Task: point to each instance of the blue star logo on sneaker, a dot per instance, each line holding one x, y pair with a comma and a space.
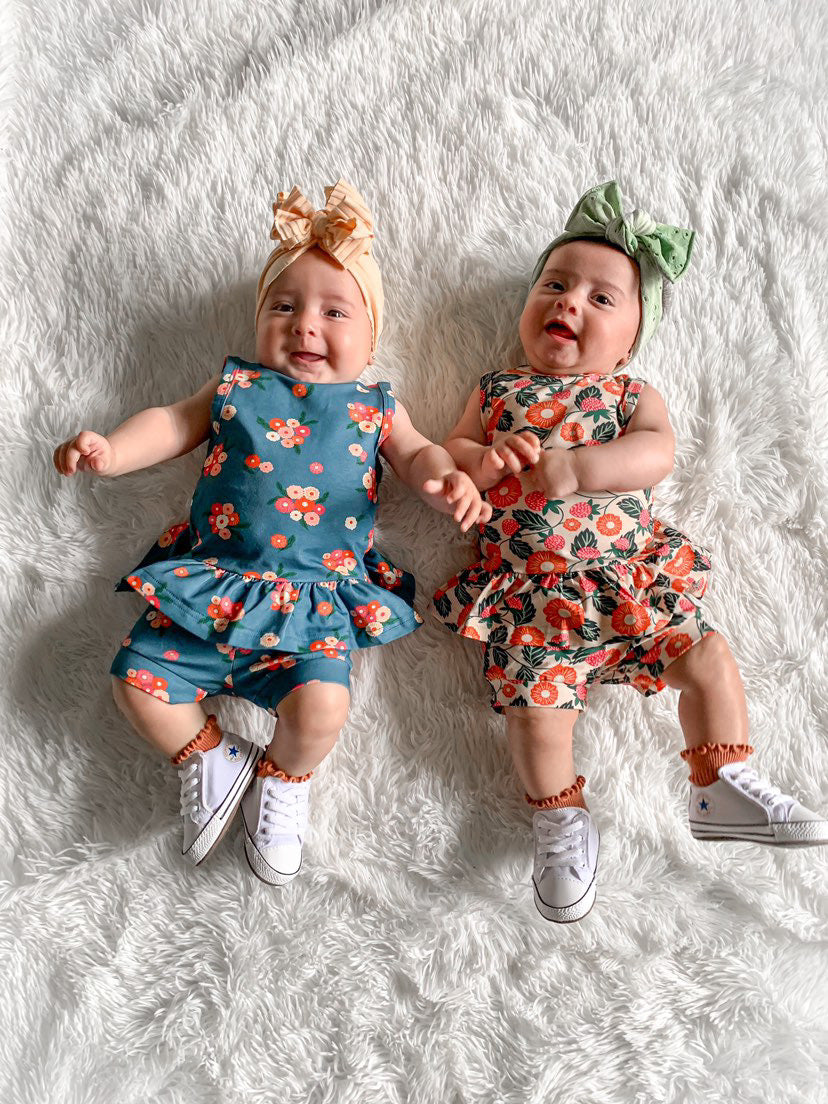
704, 806
232, 752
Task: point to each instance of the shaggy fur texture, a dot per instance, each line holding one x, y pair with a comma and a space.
144, 143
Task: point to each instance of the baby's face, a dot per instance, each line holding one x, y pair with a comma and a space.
583, 313
314, 325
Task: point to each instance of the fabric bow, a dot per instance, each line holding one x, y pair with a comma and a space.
598, 214
342, 227
660, 251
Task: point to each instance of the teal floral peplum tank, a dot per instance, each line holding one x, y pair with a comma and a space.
279, 548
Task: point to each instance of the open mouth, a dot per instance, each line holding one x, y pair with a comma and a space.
307, 358
560, 330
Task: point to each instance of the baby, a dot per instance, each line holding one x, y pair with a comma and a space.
578, 583
275, 580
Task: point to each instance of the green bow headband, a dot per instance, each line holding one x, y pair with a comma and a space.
661, 252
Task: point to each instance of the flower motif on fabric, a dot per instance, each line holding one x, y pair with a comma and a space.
239, 377
389, 577
358, 452
341, 561
222, 611
255, 463
331, 646
171, 535
283, 596
368, 419
290, 433
302, 504
225, 522
373, 618
147, 681
213, 463
147, 591
369, 482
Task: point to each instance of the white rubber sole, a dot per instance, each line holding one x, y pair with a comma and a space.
801, 833
570, 913
263, 870
213, 831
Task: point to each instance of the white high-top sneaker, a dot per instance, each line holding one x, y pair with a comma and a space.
566, 858
275, 815
740, 805
212, 786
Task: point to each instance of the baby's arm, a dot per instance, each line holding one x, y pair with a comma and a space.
431, 473
488, 464
157, 434
641, 457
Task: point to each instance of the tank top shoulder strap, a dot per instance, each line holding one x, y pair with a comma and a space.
628, 401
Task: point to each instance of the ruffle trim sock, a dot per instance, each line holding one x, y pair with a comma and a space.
207, 739
704, 761
268, 769
572, 795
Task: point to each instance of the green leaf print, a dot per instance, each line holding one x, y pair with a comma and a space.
500, 658
520, 549
533, 655
499, 635
631, 506
605, 432
532, 522
443, 605
505, 422
526, 614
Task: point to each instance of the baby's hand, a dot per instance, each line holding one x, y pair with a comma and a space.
554, 474
514, 451
458, 490
88, 451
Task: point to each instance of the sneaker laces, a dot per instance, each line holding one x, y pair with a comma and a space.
190, 800
562, 843
284, 809
747, 779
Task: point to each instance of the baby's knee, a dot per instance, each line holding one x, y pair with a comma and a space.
696, 667
317, 710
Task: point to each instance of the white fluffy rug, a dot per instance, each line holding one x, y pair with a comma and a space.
143, 146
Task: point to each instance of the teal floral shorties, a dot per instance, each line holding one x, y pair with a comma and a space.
586, 589
172, 664
275, 578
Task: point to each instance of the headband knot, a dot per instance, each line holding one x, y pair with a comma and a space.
661, 252
342, 228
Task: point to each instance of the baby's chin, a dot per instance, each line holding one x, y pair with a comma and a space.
317, 371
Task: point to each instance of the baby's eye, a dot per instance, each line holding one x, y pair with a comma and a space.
554, 284
336, 313
281, 307
604, 300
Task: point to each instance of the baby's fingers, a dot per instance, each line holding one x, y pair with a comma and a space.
527, 444
511, 459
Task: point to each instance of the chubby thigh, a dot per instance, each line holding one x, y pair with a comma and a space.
175, 666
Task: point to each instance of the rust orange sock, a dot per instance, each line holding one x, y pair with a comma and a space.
268, 769
205, 740
704, 761
572, 795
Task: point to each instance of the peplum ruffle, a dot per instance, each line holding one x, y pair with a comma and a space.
600, 605
290, 615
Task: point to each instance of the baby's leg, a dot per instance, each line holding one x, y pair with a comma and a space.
167, 727
712, 707
540, 740
310, 720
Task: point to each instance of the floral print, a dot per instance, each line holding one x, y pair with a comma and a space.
583, 589
270, 529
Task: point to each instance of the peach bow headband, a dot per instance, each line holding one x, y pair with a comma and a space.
343, 228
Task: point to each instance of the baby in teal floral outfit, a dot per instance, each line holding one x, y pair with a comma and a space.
273, 582
578, 583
